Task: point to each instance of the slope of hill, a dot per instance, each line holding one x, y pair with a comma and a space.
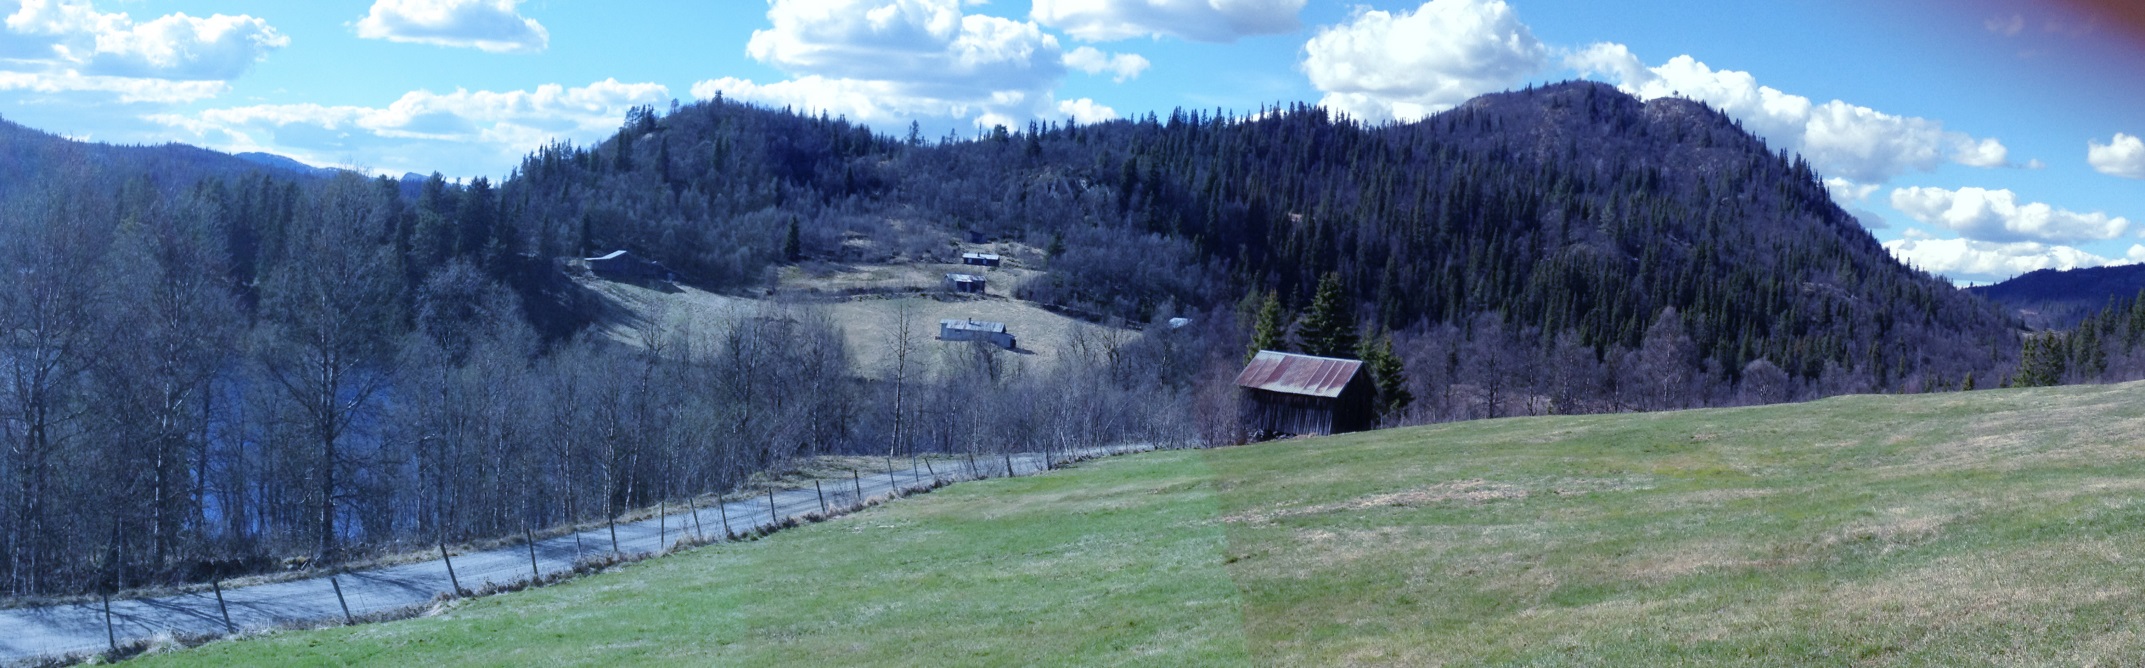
1984, 528
2051, 299
28, 157
1568, 209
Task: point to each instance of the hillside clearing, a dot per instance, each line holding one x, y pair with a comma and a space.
1987, 528
866, 320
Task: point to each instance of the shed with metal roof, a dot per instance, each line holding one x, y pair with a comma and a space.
1306, 395
969, 329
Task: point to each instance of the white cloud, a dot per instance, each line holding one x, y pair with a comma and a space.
880, 61
1380, 66
2122, 156
1847, 191
127, 90
1989, 262
67, 46
1840, 139
1121, 66
1086, 110
1196, 20
423, 129
1997, 215
2009, 26
489, 25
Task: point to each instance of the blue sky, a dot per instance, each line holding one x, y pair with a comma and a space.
1978, 138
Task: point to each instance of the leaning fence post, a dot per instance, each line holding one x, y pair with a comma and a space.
724, 506
451, 579
1008, 463
822, 496
536, 576
220, 607
693, 510
771, 519
614, 535
893, 486
347, 619
971, 464
110, 635
858, 478
934, 472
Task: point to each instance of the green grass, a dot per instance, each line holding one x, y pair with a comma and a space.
1989, 528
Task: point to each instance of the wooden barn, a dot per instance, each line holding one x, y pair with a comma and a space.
621, 265
1305, 395
976, 330
969, 283
981, 259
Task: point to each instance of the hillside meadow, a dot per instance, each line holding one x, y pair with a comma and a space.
1961, 529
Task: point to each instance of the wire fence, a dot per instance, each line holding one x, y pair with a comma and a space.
119, 626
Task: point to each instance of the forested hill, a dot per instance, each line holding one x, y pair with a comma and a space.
31, 158
1569, 209
2052, 299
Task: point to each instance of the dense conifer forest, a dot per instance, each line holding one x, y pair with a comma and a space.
211, 367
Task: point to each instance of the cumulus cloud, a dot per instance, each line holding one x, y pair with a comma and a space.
489, 25
1380, 66
1997, 215
878, 61
1989, 262
67, 46
429, 130
2122, 156
1121, 66
1196, 20
1085, 110
1840, 139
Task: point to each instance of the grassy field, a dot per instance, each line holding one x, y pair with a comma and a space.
867, 322
1988, 528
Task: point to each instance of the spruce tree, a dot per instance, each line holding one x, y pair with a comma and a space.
792, 246
1389, 374
1328, 329
1268, 331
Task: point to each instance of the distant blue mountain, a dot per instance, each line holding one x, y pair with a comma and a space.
2051, 299
29, 157
272, 160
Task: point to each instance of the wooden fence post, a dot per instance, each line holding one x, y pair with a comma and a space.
971, 465
893, 486
662, 515
451, 579
724, 506
699, 534
220, 607
347, 619
822, 497
771, 519
934, 472
858, 478
536, 576
111, 635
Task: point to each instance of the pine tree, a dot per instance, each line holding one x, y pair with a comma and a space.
792, 246
1389, 374
1328, 329
1268, 332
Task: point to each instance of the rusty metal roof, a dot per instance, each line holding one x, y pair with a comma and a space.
1298, 374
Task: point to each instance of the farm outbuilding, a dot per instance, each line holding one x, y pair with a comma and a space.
981, 259
977, 330
1305, 395
624, 265
969, 283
